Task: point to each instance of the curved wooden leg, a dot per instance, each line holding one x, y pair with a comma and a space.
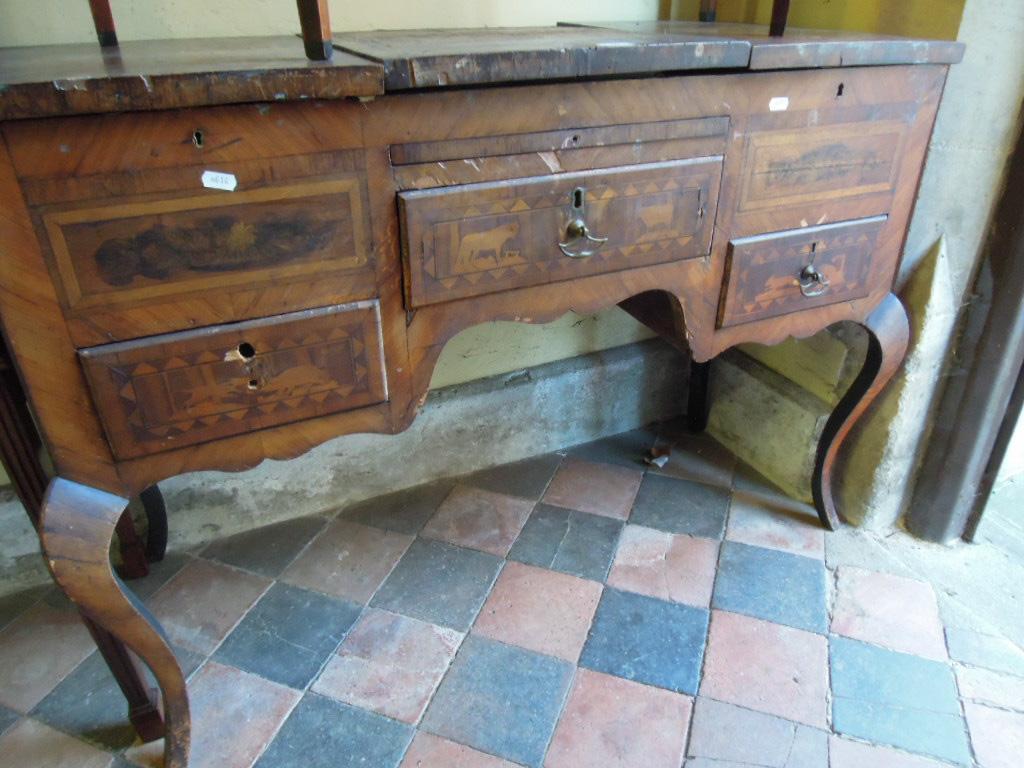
888, 335
76, 528
156, 523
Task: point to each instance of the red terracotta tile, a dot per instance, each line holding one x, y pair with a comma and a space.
616, 723
479, 519
854, 754
997, 735
664, 565
390, 664
235, 715
892, 611
540, 610
203, 602
348, 560
998, 689
38, 650
766, 667
601, 489
775, 522
429, 751
31, 743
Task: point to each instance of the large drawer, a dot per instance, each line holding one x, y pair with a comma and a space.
184, 388
474, 239
781, 272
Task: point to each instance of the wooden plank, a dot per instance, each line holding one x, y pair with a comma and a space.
808, 48
44, 81
431, 58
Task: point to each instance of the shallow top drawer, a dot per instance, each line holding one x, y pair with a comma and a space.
474, 239
184, 388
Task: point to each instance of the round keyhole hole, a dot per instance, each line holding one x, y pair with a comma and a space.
198, 139
254, 384
246, 351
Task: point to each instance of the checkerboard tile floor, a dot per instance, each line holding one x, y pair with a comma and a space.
565, 611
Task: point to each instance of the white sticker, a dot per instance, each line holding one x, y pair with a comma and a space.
778, 104
218, 180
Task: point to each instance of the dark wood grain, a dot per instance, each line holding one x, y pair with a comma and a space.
163, 74
315, 20
430, 58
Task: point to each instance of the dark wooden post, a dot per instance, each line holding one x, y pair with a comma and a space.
316, 29
104, 21
708, 10
780, 13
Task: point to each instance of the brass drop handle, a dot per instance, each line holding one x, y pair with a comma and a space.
578, 232
812, 282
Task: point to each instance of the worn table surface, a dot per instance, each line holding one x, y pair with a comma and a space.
45, 81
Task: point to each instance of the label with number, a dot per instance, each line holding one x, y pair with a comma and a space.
218, 180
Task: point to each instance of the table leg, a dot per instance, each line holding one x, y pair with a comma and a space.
156, 523
888, 335
76, 528
698, 404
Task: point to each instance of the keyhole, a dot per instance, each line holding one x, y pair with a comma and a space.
577, 198
254, 383
246, 351
198, 139
839, 90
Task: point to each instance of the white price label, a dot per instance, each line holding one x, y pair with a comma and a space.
778, 104
218, 180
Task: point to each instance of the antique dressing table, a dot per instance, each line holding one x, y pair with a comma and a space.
218, 252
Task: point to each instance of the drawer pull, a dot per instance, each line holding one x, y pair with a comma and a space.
579, 232
812, 282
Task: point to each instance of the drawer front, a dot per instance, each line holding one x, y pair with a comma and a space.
475, 239
184, 388
774, 274
144, 250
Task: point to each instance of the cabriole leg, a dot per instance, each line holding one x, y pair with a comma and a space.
888, 335
77, 525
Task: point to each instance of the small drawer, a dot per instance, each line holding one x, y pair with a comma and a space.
474, 239
179, 389
782, 272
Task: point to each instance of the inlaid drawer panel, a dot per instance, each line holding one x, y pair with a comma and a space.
475, 239
184, 388
782, 272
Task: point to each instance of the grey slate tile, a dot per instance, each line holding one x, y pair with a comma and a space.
159, 574
404, 511
647, 640
8, 717
681, 506
527, 478
572, 542
89, 704
323, 733
267, 550
500, 699
288, 635
627, 449
14, 604
896, 699
439, 583
772, 585
988, 651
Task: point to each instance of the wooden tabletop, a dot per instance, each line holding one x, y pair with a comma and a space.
54, 80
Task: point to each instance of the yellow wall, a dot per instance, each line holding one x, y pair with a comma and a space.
913, 18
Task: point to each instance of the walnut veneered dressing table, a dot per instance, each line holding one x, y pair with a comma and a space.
215, 253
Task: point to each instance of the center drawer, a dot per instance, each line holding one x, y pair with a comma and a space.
179, 389
473, 239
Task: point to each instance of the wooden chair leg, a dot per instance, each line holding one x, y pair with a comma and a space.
699, 405
888, 336
76, 527
316, 29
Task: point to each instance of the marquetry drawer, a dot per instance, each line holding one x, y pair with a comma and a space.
774, 274
179, 389
474, 239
